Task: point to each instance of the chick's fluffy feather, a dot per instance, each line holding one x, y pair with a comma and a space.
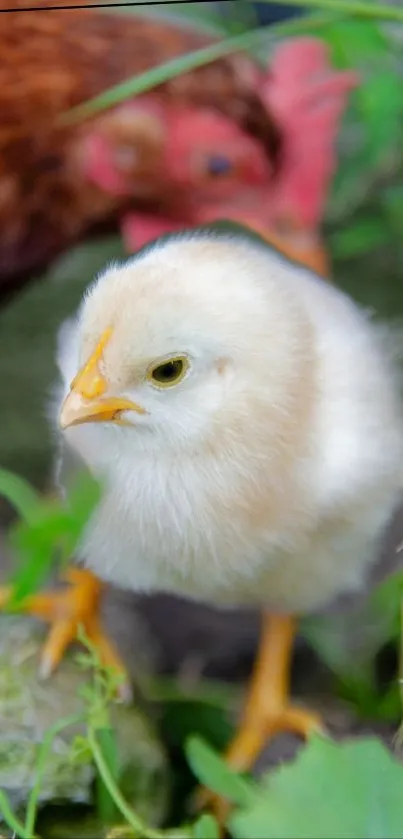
268, 474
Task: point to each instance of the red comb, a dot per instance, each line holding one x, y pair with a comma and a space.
307, 98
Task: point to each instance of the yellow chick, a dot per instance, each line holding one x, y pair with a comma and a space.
246, 419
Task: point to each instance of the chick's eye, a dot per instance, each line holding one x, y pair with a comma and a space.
169, 373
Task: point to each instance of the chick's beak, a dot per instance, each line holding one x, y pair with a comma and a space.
87, 401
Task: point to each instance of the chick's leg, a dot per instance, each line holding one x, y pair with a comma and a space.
73, 606
268, 710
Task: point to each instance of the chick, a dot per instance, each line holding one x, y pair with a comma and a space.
246, 420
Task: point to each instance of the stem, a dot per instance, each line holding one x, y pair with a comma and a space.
400, 654
348, 7
106, 806
11, 819
50, 735
131, 817
158, 75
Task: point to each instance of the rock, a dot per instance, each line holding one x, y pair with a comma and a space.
29, 706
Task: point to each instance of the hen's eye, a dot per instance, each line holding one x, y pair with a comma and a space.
169, 373
219, 165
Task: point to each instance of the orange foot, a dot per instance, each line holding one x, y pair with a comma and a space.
74, 606
268, 710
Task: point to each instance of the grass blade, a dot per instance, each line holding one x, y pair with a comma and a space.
46, 746
198, 58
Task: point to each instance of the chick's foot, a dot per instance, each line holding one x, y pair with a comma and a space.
267, 711
71, 608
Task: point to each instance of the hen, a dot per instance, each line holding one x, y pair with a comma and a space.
57, 181
216, 170
54, 60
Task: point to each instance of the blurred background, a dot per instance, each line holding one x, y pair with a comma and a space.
295, 129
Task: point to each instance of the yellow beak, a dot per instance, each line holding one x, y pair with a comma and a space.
84, 403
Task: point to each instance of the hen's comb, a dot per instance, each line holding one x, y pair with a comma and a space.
306, 97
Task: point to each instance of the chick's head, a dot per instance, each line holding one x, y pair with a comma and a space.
181, 343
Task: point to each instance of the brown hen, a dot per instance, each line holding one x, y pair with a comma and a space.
51, 61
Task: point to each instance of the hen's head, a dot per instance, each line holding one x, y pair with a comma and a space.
146, 148
210, 155
202, 166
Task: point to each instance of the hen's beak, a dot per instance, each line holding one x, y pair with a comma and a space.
86, 401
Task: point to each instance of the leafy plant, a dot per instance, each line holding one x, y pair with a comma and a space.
98, 744
347, 789
48, 528
348, 643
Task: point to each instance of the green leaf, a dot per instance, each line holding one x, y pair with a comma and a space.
49, 526
35, 546
348, 643
31, 578
355, 41
340, 790
350, 187
212, 771
389, 706
20, 494
376, 105
80, 752
206, 828
381, 105
392, 203
84, 660
367, 233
